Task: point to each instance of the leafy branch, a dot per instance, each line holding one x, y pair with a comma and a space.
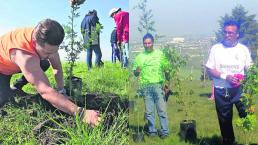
250, 91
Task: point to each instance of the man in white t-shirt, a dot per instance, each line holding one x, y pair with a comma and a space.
227, 63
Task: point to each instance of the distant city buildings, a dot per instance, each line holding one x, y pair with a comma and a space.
192, 47
177, 40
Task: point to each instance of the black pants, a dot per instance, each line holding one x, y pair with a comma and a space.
224, 108
5, 91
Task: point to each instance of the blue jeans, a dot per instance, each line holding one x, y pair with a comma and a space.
154, 97
125, 55
115, 52
97, 51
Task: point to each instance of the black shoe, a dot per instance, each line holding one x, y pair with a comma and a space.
163, 136
151, 134
18, 92
229, 142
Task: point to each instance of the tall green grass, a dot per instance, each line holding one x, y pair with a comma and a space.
115, 134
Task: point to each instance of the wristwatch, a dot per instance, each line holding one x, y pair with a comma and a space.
61, 91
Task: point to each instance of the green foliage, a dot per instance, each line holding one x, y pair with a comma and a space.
176, 63
248, 123
250, 91
175, 59
248, 27
94, 34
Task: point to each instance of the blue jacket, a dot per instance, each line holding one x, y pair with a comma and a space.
87, 26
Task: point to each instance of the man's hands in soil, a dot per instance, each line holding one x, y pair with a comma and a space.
91, 117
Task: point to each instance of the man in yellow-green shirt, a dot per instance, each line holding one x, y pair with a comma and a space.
150, 66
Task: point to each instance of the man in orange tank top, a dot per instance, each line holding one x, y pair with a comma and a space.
22, 50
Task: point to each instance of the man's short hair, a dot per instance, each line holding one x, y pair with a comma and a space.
231, 23
148, 35
49, 31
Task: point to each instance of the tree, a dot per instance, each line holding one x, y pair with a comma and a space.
146, 23
248, 27
72, 46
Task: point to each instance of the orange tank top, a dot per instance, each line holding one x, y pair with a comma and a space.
18, 39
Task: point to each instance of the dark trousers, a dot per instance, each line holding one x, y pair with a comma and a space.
97, 51
5, 90
224, 107
115, 53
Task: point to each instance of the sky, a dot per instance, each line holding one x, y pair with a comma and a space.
188, 17
172, 17
27, 13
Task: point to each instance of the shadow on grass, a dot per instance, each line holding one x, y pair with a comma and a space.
135, 128
214, 140
205, 95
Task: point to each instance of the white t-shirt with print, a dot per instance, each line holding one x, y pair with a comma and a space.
228, 60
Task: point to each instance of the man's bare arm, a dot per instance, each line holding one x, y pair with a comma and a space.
29, 65
213, 72
57, 70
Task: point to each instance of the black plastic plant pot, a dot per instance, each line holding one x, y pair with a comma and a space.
138, 137
188, 130
76, 86
131, 104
